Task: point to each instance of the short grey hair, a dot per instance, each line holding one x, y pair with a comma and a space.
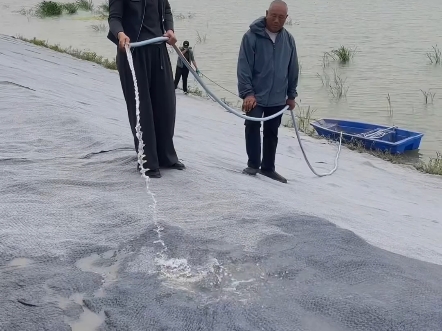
278, 2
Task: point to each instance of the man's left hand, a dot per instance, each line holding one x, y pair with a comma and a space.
171, 35
291, 103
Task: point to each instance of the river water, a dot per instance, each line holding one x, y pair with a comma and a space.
391, 41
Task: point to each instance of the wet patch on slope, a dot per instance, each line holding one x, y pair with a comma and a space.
315, 275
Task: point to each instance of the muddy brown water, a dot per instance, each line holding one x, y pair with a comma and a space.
391, 41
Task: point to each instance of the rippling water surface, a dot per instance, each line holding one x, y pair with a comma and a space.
391, 41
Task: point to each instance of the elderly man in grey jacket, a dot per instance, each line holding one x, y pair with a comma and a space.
267, 80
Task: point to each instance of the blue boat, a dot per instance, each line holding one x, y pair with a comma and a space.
371, 136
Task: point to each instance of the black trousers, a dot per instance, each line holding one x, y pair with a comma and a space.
157, 102
184, 72
270, 139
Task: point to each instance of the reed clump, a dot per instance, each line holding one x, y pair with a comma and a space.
435, 56
53, 8
343, 54
86, 5
49, 9
433, 166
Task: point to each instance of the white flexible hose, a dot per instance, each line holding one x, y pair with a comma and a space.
137, 110
222, 104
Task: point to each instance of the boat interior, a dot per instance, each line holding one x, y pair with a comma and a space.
367, 131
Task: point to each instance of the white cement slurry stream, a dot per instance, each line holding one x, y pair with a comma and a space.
359, 250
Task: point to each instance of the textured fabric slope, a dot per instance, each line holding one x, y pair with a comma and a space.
82, 248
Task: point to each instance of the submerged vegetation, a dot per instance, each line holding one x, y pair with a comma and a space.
103, 10
428, 96
104, 7
435, 56
303, 119
181, 16
390, 107
304, 116
342, 55
49, 9
99, 27
46, 9
201, 38
337, 87
71, 8
433, 166
86, 5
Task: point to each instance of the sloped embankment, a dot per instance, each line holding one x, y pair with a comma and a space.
81, 245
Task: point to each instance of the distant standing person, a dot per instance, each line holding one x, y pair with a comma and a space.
138, 21
181, 69
267, 74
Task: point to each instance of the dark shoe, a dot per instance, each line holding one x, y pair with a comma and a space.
250, 171
273, 175
153, 173
177, 166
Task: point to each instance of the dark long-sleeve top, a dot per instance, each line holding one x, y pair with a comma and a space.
127, 16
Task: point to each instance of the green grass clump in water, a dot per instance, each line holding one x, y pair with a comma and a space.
71, 8
52, 8
49, 9
83, 55
303, 120
433, 166
343, 54
104, 7
103, 10
86, 5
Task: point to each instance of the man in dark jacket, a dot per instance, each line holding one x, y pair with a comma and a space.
138, 20
267, 80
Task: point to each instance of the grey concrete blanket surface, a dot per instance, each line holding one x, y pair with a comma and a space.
83, 246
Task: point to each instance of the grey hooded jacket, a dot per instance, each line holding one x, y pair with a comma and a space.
266, 70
